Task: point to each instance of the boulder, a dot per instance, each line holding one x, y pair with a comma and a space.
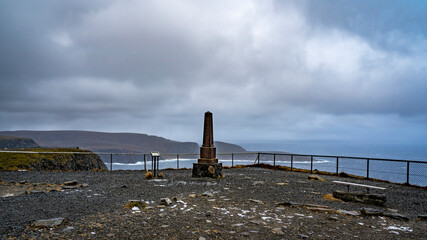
49, 222
374, 199
165, 201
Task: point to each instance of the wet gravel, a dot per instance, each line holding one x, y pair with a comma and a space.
97, 211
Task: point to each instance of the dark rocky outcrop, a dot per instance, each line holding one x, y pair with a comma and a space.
51, 159
8, 142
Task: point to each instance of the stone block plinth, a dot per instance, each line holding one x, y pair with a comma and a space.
212, 170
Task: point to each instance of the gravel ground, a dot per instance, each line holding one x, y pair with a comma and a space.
98, 212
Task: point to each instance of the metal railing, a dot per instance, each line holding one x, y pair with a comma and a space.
394, 170
412, 172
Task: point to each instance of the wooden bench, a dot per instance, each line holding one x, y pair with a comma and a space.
359, 185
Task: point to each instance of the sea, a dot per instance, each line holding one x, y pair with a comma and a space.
394, 171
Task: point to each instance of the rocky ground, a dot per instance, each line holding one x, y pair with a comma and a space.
244, 204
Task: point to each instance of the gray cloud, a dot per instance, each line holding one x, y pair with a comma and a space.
284, 69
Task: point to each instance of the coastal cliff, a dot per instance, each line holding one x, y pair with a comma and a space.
8, 142
42, 159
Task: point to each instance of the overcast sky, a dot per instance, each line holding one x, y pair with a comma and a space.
268, 70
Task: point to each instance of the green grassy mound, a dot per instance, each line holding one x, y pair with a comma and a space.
50, 159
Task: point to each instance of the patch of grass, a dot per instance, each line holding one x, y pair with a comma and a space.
329, 197
149, 175
11, 161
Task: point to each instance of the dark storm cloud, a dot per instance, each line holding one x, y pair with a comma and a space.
263, 67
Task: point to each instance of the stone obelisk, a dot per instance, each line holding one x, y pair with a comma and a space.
207, 165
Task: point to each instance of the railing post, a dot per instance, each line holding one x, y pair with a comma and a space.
158, 166
232, 160
311, 165
292, 162
258, 158
337, 165
274, 159
111, 162
153, 161
177, 161
407, 172
145, 163
367, 168
152, 165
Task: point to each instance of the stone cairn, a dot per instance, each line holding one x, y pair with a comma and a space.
207, 165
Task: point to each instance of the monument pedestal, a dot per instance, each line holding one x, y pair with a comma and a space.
212, 170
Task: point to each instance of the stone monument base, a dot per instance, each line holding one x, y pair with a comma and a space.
212, 170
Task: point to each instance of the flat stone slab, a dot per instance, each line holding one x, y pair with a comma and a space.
345, 212
321, 210
49, 222
396, 216
256, 201
372, 212
374, 199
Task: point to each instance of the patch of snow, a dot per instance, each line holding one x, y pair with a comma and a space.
245, 211
400, 228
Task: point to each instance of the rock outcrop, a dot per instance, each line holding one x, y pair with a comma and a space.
7, 142
50, 159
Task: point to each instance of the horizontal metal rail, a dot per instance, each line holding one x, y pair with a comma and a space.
293, 160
